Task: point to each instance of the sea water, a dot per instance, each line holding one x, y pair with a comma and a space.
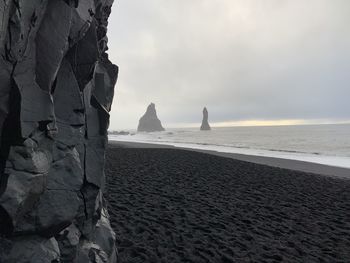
324, 144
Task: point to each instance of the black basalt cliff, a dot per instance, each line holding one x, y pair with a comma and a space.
149, 122
205, 124
56, 90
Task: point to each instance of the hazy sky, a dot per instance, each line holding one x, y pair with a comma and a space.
248, 61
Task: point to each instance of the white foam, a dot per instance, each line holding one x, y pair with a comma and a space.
337, 161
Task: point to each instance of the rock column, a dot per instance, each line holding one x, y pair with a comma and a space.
56, 90
149, 122
205, 124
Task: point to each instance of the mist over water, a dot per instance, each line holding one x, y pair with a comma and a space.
325, 144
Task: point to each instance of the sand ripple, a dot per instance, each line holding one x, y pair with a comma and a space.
171, 205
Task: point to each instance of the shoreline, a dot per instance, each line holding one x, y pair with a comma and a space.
303, 166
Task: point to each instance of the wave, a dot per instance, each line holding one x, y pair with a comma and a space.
305, 147
293, 151
237, 147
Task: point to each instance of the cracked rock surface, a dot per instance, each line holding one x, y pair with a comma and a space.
56, 90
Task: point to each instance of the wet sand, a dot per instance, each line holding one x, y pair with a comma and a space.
308, 167
172, 205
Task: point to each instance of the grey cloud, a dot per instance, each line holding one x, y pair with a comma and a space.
244, 59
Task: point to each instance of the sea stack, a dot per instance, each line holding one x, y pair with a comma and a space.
149, 122
205, 124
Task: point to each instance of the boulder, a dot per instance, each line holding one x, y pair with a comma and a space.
29, 249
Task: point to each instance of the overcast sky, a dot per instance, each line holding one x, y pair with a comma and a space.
248, 61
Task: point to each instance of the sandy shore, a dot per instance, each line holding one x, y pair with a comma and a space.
307, 167
172, 205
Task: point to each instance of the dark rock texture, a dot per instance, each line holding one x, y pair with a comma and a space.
56, 90
205, 124
149, 122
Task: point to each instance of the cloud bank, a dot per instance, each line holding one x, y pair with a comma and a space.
243, 59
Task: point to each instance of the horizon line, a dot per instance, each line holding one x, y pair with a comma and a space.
251, 123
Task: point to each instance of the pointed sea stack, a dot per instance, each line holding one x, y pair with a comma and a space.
149, 122
205, 124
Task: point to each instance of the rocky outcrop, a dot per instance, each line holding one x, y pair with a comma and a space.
205, 124
149, 122
57, 86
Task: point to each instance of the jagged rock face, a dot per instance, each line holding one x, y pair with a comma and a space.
57, 86
205, 124
149, 122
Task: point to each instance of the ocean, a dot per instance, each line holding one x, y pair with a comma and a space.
324, 144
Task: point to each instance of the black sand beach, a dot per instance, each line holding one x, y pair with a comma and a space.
171, 205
